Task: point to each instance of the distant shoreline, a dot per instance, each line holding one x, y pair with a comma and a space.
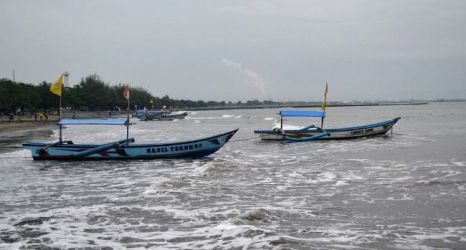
53, 117
13, 133
291, 105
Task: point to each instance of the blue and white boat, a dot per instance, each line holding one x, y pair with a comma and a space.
123, 149
312, 132
141, 113
164, 116
159, 115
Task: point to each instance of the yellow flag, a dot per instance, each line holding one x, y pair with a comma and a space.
56, 86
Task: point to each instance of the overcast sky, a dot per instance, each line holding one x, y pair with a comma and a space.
241, 50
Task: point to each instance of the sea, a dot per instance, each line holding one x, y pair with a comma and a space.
404, 190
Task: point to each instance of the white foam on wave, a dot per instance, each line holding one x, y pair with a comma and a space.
351, 176
202, 118
66, 226
16, 154
332, 236
459, 163
227, 116
341, 183
269, 119
326, 177
322, 177
221, 236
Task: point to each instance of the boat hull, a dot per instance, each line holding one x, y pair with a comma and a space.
368, 130
183, 149
164, 117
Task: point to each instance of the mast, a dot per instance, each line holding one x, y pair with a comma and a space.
324, 105
60, 140
60, 112
127, 121
126, 96
281, 121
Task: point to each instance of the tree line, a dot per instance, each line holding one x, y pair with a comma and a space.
92, 94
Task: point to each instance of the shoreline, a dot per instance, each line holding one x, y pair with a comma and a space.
16, 125
13, 133
307, 105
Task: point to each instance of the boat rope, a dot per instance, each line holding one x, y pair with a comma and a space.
245, 139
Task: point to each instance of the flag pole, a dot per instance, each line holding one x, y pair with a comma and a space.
60, 140
60, 111
57, 89
127, 119
324, 104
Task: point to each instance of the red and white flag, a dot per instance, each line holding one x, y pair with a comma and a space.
126, 92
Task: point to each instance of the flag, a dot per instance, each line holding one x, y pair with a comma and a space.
324, 103
56, 87
126, 92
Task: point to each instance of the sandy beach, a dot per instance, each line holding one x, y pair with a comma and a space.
13, 133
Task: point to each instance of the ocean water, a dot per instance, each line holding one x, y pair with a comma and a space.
405, 190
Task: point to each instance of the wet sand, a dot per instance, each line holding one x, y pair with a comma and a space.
13, 133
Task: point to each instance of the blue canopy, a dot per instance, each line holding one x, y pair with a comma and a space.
103, 121
306, 113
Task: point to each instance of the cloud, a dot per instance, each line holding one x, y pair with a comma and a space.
255, 79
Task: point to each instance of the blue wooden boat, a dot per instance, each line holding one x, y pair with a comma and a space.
123, 149
164, 116
312, 132
159, 115
141, 113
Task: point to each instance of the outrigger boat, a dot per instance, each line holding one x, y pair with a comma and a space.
140, 113
123, 149
312, 132
163, 116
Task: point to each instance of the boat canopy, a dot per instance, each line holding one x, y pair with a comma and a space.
103, 121
305, 113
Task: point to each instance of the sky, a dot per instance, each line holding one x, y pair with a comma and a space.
245, 49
